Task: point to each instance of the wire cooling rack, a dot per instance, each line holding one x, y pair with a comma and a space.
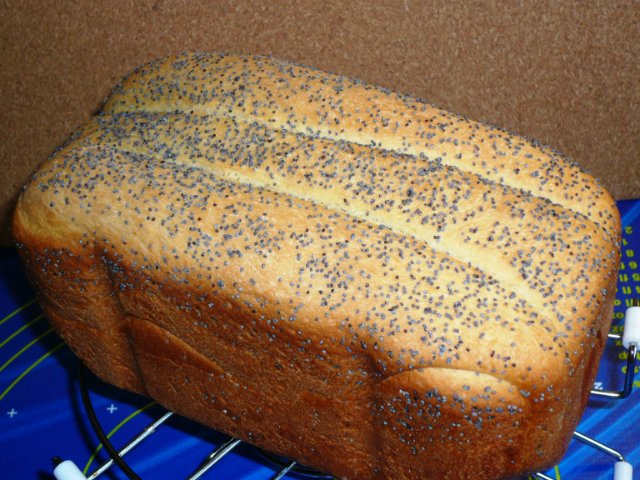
42, 413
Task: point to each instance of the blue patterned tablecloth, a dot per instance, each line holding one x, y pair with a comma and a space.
41, 413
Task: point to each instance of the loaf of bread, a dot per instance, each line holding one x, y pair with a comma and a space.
331, 271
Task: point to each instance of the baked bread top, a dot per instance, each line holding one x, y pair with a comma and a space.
353, 216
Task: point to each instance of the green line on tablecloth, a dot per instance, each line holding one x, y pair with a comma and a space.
31, 367
18, 310
115, 429
24, 349
24, 327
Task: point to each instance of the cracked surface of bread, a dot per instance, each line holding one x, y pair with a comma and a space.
331, 271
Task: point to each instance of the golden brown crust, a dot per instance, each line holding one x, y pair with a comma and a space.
327, 267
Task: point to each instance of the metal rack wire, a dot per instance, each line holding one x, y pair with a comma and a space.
67, 470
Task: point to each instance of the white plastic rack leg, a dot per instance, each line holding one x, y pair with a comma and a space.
67, 470
630, 341
623, 471
631, 334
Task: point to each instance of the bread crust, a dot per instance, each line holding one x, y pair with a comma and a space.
329, 270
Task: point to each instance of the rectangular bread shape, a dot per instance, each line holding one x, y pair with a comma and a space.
329, 270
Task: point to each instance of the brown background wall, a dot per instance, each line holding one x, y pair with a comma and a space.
565, 73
